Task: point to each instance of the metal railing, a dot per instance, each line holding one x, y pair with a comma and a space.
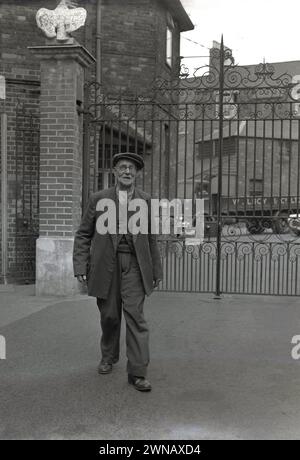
227, 134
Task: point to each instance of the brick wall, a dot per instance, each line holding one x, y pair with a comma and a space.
133, 55
60, 166
22, 99
133, 41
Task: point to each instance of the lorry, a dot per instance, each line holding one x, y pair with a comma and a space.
280, 213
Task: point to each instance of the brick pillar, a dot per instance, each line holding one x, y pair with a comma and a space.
62, 80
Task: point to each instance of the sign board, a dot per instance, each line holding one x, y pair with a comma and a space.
258, 203
2, 87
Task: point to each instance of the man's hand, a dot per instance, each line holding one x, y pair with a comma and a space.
156, 283
81, 278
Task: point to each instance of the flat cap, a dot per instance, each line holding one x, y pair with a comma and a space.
134, 157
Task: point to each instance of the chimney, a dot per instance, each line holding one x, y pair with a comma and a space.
214, 56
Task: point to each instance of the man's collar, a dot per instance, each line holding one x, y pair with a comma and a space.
130, 195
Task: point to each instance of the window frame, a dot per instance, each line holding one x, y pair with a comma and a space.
169, 46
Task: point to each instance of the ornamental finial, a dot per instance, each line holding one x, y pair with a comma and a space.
61, 22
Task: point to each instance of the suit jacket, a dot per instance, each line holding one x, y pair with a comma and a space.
95, 255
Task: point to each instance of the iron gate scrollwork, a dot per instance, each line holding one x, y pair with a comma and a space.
228, 135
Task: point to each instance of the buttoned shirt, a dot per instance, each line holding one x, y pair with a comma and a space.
124, 240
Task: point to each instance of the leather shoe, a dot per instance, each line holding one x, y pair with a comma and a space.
104, 368
139, 383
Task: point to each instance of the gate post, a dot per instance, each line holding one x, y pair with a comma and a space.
62, 81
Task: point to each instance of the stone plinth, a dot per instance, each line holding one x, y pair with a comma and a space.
53, 267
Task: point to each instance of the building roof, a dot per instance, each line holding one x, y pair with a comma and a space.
178, 12
268, 129
285, 67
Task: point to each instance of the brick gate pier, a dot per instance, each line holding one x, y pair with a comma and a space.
62, 80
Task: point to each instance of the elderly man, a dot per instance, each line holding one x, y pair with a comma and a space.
119, 268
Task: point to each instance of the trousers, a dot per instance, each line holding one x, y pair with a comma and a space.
127, 293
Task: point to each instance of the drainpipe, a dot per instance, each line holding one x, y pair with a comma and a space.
98, 42
4, 185
99, 81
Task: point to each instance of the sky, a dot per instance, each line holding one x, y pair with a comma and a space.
255, 30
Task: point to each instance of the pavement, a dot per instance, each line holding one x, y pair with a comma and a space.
220, 369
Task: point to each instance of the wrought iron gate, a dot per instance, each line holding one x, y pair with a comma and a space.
25, 197
229, 135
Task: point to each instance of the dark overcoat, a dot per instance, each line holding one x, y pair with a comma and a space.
95, 254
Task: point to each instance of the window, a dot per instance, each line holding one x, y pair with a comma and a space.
229, 104
207, 149
169, 47
255, 187
202, 188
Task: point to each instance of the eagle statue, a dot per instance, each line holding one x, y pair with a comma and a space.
61, 22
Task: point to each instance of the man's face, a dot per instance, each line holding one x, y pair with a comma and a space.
125, 173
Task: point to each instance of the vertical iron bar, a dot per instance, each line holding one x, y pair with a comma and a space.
103, 154
23, 159
111, 153
281, 148
136, 127
152, 156
290, 155
246, 170
119, 127
237, 151
212, 209
127, 137
85, 163
31, 176
167, 132
160, 171
296, 275
254, 163
263, 167
144, 152
272, 160
177, 157
228, 166
185, 147
220, 153
193, 162
96, 159
298, 168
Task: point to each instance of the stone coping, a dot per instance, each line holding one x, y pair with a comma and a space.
75, 51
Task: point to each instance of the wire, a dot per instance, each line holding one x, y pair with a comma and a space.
196, 43
193, 57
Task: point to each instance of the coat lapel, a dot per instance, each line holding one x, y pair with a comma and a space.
111, 193
136, 195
